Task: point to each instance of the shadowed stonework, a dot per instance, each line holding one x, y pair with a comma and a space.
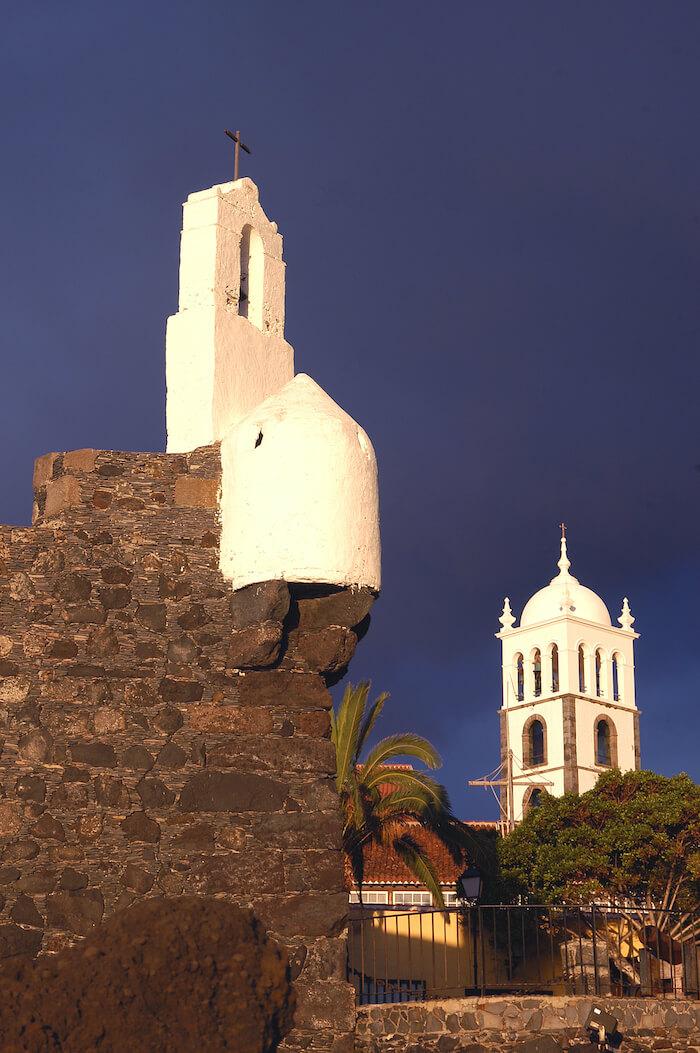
163, 735
160, 975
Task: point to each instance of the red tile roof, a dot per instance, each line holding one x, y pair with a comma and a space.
383, 866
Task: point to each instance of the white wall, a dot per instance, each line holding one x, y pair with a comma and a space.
219, 365
299, 497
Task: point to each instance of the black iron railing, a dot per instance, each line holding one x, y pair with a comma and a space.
408, 956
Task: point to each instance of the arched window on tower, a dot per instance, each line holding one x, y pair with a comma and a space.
250, 296
617, 694
537, 671
598, 673
520, 677
537, 742
581, 669
555, 668
534, 743
605, 743
602, 743
532, 799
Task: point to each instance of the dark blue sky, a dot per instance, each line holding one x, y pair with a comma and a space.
492, 232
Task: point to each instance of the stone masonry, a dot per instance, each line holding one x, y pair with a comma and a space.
523, 1025
162, 734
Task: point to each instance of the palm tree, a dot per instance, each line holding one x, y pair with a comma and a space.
381, 802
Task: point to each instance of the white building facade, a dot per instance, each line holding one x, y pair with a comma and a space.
569, 710
299, 497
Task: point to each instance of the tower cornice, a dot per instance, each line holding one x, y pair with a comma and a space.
504, 633
541, 699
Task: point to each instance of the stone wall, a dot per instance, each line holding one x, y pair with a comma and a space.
160, 733
523, 1025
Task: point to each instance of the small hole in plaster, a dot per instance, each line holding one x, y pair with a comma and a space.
362, 440
258, 440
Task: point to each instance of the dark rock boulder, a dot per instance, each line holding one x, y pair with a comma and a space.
182, 974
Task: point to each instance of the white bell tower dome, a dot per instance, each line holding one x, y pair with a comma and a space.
568, 709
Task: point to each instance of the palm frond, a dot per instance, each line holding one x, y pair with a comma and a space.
410, 781
382, 803
359, 818
371, 719
404, 745
402, 807
402, 797
346, 729
420, 865
457, 838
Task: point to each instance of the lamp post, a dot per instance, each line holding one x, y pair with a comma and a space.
470, 885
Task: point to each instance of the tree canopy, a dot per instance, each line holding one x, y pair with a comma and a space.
634, 837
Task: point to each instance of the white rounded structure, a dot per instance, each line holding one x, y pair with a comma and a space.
564, 595
299, 496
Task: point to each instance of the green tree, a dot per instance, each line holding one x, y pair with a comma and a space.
380, 803
633, 838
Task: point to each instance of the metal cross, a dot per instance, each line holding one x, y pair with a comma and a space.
240, 145
563, 531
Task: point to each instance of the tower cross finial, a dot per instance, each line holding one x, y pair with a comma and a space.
564, 561
239, 145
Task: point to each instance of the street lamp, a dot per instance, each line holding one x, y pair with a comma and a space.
470, 885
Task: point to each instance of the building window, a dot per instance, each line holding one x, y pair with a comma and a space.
605, 743
370, 898
537, 742
250, 295
555, 668
581, 669
534, 743
537, 672
385, 991
617, 694
598, 673
520, 677
404, 898
450, 899
532, 799
602, 743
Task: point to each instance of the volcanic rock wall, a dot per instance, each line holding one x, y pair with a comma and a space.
528, 1024
161, 734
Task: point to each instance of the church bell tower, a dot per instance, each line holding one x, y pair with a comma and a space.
225, 347
569, 709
